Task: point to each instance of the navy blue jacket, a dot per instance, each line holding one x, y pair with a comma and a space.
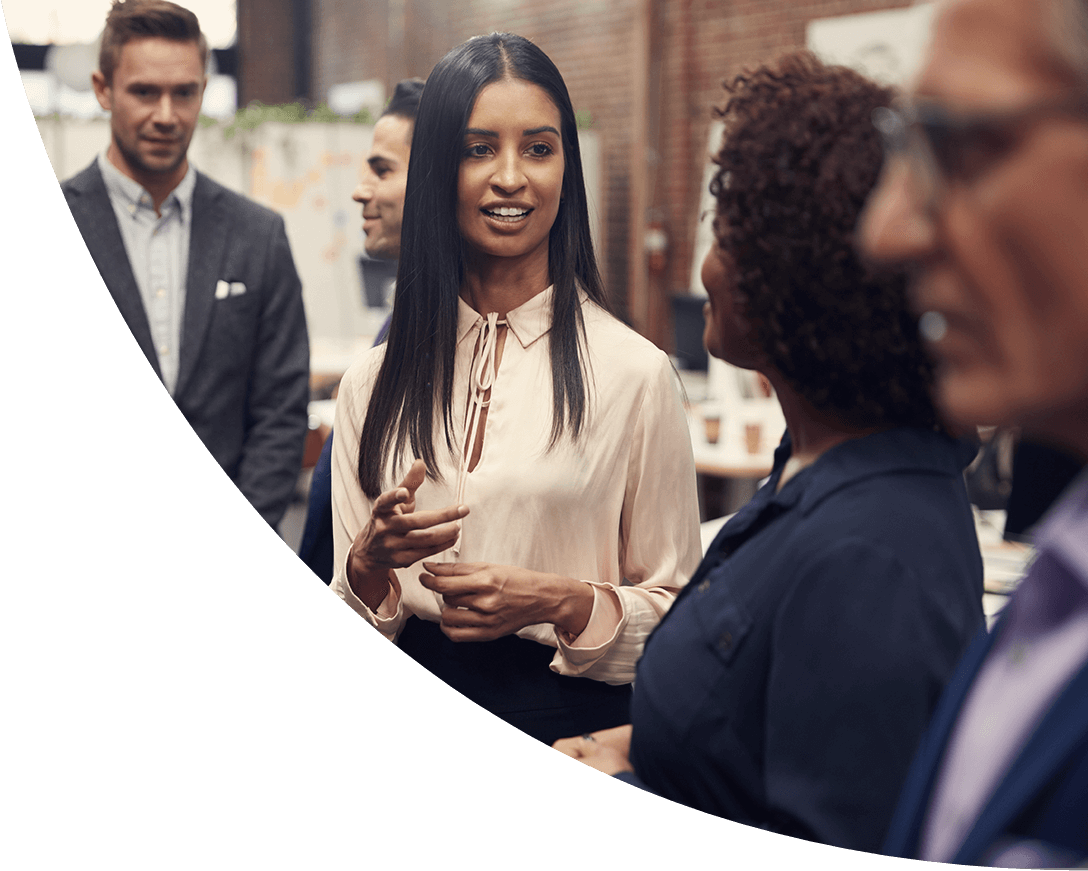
789, 683
1044, 796
1042, 799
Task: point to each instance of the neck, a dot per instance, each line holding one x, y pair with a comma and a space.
499, 284
812, 432
158, 184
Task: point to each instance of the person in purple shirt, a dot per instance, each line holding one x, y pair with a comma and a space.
985, 197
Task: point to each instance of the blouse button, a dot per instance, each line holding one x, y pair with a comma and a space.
725, 641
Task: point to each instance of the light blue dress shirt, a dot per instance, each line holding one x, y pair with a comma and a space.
157, 244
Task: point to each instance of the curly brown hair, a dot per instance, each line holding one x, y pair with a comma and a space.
798, 157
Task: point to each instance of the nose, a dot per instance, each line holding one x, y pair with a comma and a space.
895, 227
164, 115
509, 176
364, 191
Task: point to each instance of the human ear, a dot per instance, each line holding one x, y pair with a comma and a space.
102, 89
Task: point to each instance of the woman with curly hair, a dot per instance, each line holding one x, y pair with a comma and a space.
789, 684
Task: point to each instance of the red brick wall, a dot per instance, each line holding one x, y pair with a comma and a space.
266, 65
693, 46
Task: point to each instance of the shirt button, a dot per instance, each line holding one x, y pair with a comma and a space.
132, 208
164, 349
160, 293
725, 642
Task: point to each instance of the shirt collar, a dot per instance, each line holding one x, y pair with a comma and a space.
904, 449
528, 322
130, 192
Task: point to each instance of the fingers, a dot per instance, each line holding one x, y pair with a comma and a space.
388, 501
572, 747
402, 549
404, 493
422, 520
456, 581
417, 474
401, 501
451, 570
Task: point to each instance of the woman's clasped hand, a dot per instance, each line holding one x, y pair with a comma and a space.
485, 601
605, 750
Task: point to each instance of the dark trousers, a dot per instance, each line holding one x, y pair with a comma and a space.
510, 677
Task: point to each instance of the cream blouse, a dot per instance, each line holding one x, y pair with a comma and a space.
617, 508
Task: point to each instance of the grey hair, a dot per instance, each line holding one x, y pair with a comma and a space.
1069, 34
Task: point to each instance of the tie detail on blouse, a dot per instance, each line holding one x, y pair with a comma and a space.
480, 381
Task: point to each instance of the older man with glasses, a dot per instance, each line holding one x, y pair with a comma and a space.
985, 195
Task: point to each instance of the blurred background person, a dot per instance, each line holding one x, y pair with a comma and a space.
789, 684
381, 193
985, 198
524, 402
203, 277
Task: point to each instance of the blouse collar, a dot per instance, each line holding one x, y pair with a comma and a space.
528, 322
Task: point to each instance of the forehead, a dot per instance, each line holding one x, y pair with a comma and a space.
992, 54
516, 101
154, 58
392, 138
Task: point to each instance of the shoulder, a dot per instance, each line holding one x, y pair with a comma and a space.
87, 181
620, 348
240, 207
898, 495
358, 380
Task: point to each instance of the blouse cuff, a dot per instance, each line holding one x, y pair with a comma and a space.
605, 622
387, 618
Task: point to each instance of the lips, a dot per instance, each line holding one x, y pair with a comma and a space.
507, 214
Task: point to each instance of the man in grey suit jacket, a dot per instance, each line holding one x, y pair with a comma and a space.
203, 277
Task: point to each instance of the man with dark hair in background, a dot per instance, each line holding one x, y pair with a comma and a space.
381, 193
203, 276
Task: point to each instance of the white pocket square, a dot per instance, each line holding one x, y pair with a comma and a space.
223, 289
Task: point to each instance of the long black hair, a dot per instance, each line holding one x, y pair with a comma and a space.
415, 380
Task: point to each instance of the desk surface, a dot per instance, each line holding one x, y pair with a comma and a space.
729, 458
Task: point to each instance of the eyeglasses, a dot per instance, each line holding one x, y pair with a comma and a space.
948, 147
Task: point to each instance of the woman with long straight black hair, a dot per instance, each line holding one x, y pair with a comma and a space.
514, 492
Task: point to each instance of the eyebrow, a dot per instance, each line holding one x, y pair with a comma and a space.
532, 131
133, 85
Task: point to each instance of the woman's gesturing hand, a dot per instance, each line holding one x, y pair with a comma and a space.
486, 601
397, 535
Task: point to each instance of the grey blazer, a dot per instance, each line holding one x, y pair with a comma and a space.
243, 370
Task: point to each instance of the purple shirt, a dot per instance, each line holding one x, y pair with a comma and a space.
1043, 642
